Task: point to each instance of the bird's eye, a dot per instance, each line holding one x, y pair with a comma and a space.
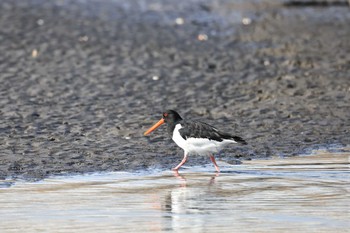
165, 114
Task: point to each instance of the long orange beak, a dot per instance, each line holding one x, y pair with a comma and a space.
156, 125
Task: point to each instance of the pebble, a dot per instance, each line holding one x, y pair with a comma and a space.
246, 21
35, 53
179, 21
40, 22
202, 37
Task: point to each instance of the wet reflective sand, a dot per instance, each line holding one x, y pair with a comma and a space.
299, 194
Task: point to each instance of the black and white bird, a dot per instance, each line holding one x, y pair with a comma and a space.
195, 137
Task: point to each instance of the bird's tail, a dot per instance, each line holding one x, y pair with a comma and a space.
239, 140
235, 138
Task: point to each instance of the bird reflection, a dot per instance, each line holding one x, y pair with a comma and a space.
180, 177
183, 179
188, 198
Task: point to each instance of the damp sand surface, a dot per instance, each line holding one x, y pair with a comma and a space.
304, 193
77, 94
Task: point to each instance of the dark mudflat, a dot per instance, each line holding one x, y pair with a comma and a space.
81, 81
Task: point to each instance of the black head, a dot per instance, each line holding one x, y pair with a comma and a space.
171, 116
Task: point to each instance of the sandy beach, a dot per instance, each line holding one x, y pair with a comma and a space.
81, 81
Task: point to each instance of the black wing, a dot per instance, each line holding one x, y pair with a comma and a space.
196, 129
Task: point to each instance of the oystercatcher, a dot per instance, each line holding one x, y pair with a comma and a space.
195, 137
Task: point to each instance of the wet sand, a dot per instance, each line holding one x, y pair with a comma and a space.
80, 81
290, 195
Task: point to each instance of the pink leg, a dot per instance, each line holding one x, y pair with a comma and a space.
181, 163
214, 162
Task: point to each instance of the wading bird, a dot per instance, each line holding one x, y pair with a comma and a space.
195, 137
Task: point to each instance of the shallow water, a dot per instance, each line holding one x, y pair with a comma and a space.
305, 193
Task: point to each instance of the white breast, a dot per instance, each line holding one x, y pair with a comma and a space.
178, 139
200, 146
